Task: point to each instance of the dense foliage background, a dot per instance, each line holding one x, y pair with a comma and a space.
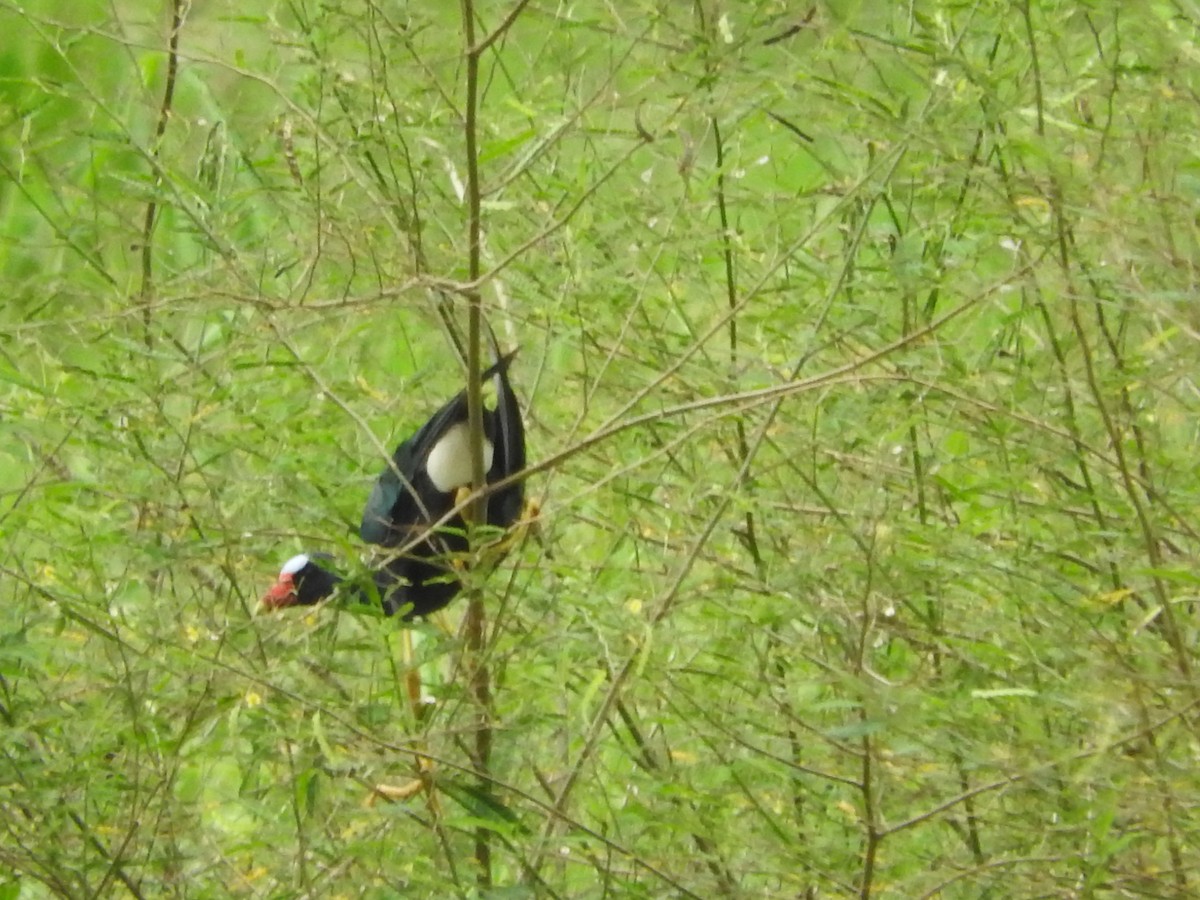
860, 345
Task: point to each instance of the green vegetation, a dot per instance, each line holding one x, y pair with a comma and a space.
860, 346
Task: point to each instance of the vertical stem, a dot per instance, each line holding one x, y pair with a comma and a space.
146, 294
476, 668
871, 850
749, 536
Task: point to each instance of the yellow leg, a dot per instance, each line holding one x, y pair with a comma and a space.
412, 677
528, 524
424, 781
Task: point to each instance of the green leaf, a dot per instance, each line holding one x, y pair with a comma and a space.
483, 807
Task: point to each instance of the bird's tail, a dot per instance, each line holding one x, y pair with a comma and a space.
502, 360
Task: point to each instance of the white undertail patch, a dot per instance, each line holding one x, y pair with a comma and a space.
449, 462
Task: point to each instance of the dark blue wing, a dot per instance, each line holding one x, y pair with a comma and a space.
390, 497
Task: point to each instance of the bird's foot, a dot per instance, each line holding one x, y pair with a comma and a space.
395, 793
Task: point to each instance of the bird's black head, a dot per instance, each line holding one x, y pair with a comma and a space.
302, 581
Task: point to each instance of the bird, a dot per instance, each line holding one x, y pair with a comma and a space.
428, 476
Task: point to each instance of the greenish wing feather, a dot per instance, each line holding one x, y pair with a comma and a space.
379, 515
